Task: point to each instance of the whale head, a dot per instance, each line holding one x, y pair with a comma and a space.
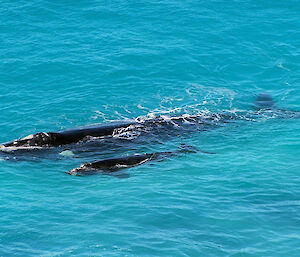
83, 170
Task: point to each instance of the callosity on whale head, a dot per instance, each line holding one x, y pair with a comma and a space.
37, 140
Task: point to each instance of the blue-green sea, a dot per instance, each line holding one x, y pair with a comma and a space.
66, 64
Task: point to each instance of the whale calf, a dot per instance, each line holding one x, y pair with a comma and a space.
108, 166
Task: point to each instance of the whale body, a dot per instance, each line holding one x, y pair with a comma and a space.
160, 125
108, 166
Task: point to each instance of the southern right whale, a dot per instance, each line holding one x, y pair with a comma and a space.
111, 165
157, 126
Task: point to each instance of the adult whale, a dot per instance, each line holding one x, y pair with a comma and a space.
264, 105
123, 130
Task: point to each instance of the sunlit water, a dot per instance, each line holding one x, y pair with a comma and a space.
65, 64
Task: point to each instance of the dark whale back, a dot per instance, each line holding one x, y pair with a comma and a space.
112, 164
75, 135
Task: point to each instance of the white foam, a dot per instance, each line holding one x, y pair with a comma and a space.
141, 107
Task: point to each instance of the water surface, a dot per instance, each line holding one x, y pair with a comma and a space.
68, 64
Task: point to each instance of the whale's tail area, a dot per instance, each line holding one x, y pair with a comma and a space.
264, 101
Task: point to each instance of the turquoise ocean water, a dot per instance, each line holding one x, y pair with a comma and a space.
66, 64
